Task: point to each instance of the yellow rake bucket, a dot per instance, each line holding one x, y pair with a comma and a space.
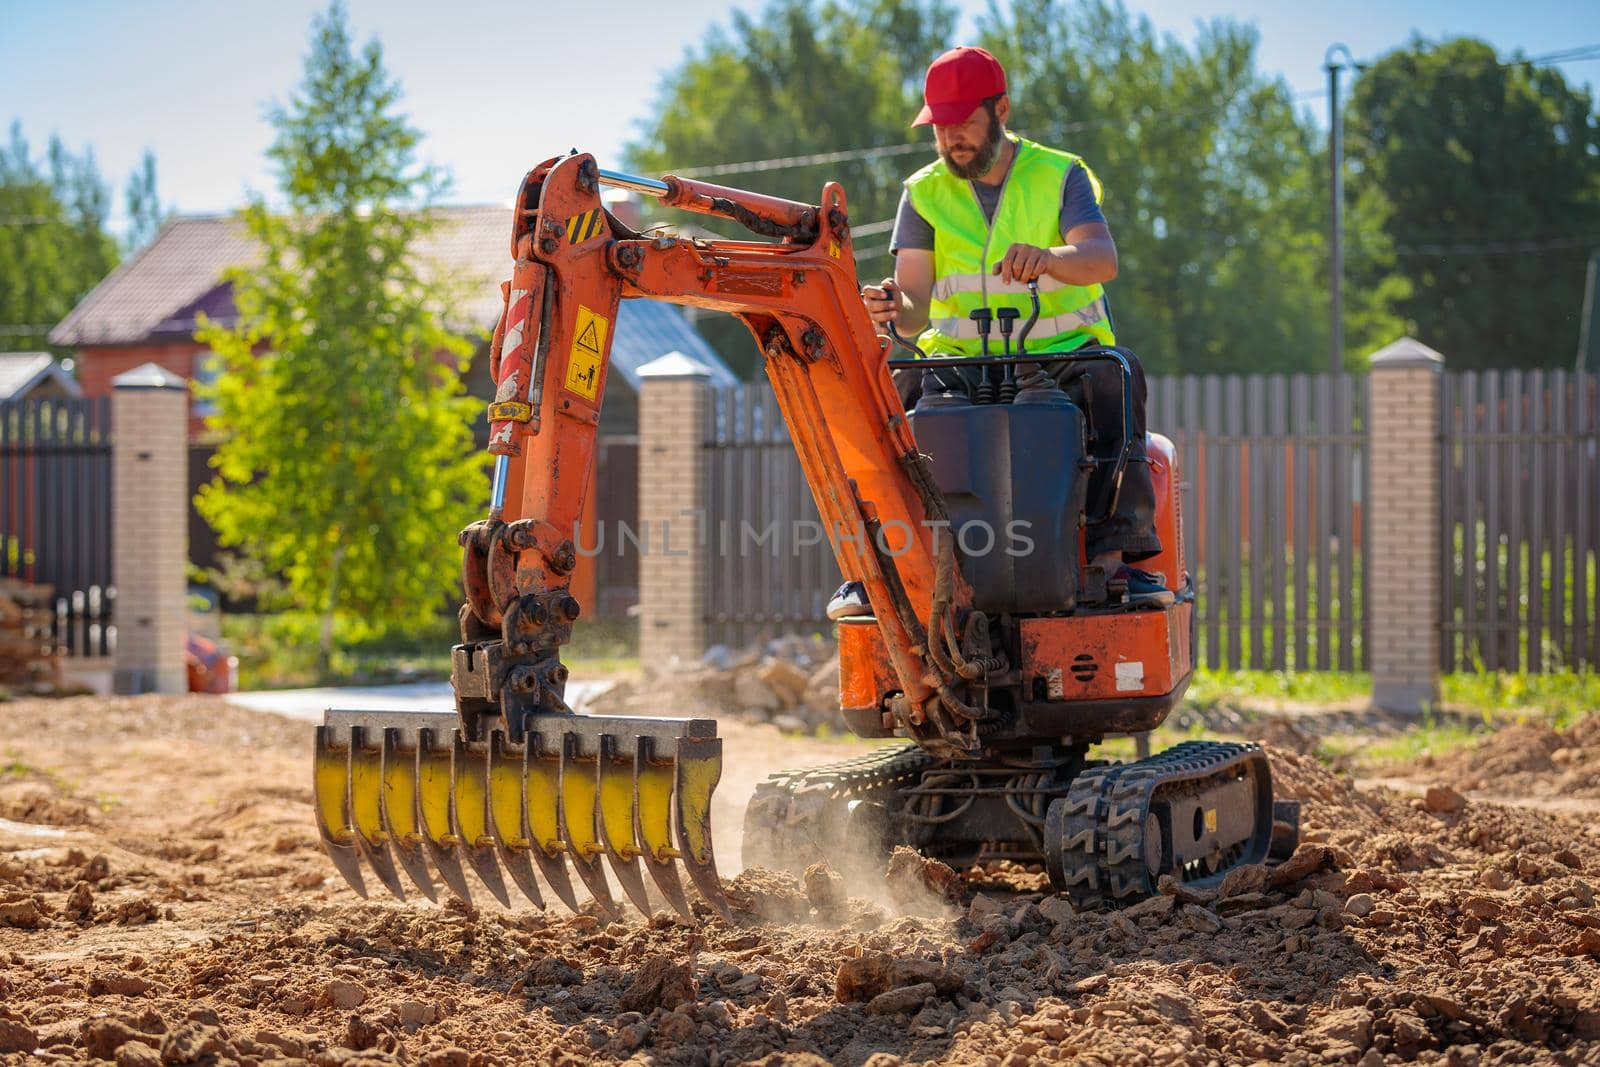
406, 791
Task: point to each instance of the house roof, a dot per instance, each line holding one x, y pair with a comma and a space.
160, 292
22, 371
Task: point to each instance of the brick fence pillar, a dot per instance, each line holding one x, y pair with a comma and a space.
673, 400
1403, 595
150, 527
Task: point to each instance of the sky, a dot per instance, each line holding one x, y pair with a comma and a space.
497, 85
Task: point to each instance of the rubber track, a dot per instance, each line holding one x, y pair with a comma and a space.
1101, 859
772, 838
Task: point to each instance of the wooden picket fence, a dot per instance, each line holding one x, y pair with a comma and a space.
1520, 504
1271, 466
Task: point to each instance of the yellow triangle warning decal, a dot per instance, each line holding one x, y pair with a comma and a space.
587, 353
589, 338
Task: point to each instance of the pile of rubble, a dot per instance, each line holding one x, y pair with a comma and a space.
791, 682
29, 662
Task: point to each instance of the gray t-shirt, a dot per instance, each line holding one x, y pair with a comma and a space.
1078, 206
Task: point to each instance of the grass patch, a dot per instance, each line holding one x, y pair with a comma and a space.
1215, 688
1557, 697
1434, 736
602, 648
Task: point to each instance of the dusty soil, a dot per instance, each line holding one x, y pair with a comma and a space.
162, 899
1526, 760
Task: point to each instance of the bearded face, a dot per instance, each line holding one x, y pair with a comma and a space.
971, 148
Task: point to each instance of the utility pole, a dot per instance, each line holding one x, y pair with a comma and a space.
1336, 206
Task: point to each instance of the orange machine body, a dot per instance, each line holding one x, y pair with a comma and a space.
1125, 669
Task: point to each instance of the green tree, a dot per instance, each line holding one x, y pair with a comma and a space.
1212, 180
346, 461
54, 245
1481, 184
146, 216
797, 79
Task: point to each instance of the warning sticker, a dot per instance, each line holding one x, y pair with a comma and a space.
582, 227
588, 349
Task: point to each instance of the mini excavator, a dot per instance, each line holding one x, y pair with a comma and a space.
1000, 670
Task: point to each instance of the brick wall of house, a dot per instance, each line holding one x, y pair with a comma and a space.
97, 365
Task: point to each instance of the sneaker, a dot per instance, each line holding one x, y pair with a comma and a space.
849, 602
1145, 590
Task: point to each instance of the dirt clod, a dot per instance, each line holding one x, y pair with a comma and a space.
1442, 800
918, 884
660, 982
118, 983
103, 1037
193, 1043
345, 995
824, 888
15, 1037
26, 913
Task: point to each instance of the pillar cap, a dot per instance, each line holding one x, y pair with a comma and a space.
148, 376
1405, 353
675, 365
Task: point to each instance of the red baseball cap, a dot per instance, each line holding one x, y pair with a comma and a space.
957, 83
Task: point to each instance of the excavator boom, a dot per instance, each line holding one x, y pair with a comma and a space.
513, 780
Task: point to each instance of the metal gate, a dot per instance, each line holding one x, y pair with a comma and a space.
55, 512
1521, 520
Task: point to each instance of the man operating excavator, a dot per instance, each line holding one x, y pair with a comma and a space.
993, 213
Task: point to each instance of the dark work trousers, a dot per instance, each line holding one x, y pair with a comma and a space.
1096, 387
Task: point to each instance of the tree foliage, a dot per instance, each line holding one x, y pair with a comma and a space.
1211, 180
346, 460
1487, 181
54, 245
1471, 188
146, 215
801, 77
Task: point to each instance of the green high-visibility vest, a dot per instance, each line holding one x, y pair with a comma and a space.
967, 246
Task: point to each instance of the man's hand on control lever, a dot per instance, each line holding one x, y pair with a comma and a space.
882, 301
1024, 263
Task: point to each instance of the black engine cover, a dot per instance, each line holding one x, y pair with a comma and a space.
1014, 482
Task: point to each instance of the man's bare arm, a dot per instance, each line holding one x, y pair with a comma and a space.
1088, 257
903, 299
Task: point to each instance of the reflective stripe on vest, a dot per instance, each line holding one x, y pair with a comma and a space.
967, 246
1056, 326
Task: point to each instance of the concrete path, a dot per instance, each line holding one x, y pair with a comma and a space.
309, 704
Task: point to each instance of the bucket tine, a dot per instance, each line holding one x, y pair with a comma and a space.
366, 809
506, 815
579, 786
698, 771
330, 780
541, 776
653, 780
399, 810
615, 798
469, 813
434, 803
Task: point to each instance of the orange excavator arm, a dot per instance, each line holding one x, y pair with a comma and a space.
513, 780
798, 295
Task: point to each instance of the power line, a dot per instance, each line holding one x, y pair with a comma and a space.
1498, 248
756, 166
